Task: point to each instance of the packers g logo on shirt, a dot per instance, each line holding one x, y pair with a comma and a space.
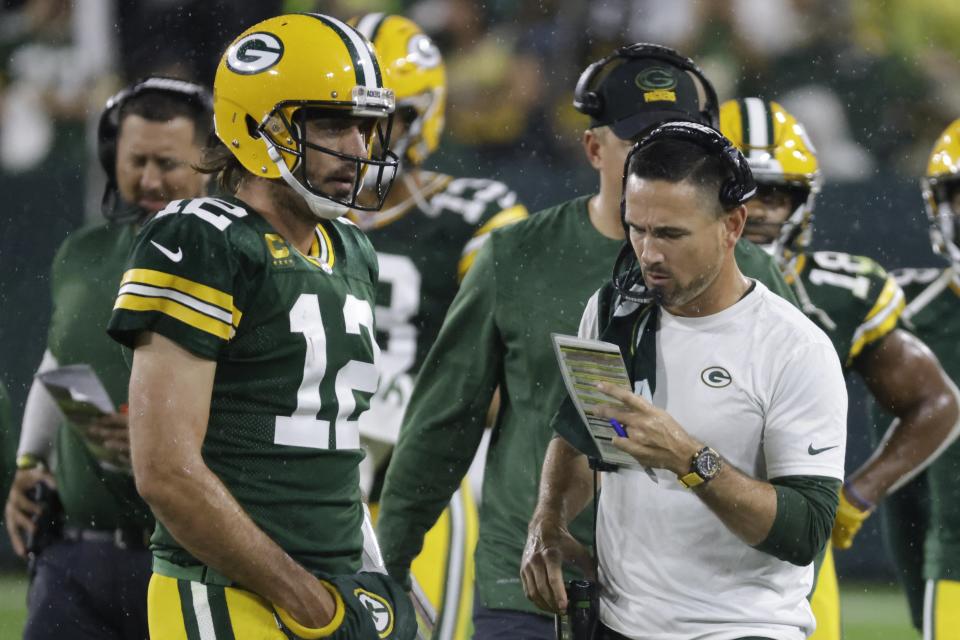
716, 377
380, 611
254, 54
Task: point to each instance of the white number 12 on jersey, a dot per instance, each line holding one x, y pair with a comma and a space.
303, 428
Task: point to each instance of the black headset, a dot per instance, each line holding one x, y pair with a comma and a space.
108, 128
587, 101
734, 191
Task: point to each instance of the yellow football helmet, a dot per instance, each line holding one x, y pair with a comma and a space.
413, 68
939, 185
281, 71
781, 156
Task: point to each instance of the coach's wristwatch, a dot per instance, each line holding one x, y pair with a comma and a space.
704, 467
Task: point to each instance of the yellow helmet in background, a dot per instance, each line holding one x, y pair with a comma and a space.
781, 155
413, 68
943, 178
279, 71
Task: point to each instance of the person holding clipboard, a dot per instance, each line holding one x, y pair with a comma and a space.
738, 406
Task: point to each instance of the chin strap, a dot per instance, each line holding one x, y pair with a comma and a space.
320, 206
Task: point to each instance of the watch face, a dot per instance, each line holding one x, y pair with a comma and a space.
708, 464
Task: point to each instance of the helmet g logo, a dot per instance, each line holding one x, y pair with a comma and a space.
423, 52
255, 53
716, 377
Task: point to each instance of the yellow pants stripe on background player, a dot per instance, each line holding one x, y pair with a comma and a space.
941, 610
826, 600
445, 570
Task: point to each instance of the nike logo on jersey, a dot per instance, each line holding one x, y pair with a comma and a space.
815, 452
174, 256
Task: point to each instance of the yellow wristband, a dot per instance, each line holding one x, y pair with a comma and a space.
29, 461
311, 633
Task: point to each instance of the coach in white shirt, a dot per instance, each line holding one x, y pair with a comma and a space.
745, 430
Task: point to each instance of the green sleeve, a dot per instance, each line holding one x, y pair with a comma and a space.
755, 263
444, 420
806, 507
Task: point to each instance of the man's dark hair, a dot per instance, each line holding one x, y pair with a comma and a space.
217, 160
681, 161
161, 106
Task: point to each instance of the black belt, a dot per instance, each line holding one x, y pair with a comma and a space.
122, 538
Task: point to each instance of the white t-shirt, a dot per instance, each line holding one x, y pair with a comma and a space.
761, 384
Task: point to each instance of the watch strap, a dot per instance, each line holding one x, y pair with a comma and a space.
691, 480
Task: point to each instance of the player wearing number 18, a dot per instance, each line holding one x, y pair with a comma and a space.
857, 305
251, 319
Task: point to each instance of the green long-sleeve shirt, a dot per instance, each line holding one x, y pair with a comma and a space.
530, 280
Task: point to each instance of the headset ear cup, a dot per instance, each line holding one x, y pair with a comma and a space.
107, 149
741, 186
729, 191
107, 130
591, 103
748, 185
585, 100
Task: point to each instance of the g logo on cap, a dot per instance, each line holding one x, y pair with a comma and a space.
254, 54
656, 79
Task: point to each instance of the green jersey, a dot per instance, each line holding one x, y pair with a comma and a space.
530, 279
84, 278
424, 246
933, 302
851, 298
292, 336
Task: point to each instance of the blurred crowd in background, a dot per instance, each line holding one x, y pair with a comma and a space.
874, 81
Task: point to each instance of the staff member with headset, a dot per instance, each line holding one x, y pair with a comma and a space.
92, 581
739, 408
493, 336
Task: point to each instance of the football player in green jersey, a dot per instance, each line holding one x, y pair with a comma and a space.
426, 235
923, 518
857, 305
529, 279
92, 582
251, 320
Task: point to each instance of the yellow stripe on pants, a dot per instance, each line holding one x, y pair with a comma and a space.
941, 610
826, 600
251, 617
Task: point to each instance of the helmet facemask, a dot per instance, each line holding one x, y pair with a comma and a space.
792, 236
284, 133
409, 116
943, 220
